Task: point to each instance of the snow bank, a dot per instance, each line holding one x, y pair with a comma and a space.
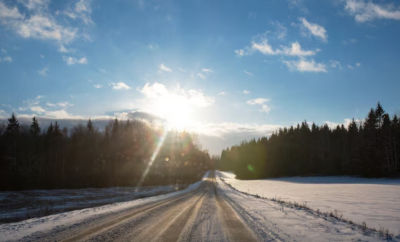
374, 201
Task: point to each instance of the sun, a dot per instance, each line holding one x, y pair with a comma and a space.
176, 110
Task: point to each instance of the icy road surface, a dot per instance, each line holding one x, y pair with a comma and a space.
206, 211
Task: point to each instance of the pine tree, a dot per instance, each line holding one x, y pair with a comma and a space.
34, 129
13, 125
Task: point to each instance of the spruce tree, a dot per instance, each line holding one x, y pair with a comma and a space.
13, 124
34, 129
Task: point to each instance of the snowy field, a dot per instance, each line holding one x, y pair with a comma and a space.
374, 201
21, 205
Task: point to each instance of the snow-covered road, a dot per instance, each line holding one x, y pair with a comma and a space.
209, 210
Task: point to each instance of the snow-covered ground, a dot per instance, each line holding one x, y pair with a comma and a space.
373, 201
18, 230
268, 220
21, 205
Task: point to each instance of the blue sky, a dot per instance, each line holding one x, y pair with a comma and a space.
226, 70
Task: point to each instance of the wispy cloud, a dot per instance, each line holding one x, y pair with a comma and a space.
315, 29
60, 104
98, 86
63, 49
368, 11
120, 86
6, 59
246, 92
72, 60
43, 72
335, 64
202, 76
82, 11
207, 70
265, 48
221, 93
262, 102
303, 65
38, 24
358, 64
248, 73
162, 68
37, 109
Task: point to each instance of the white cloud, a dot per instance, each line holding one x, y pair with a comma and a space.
202, 76
39, 97
305, 66
120, 86
260, 101
34, 19
61, 114
336, 64
8, 14
265, 48
81, 11
43, 72
246, 92
60, 104
207, 70
221, 93
162, 67
350, 67
98, 86
63, 49
248, 73
6, 59
72, 60
368, 11
158, 91
358, 64
315, 29
37, 109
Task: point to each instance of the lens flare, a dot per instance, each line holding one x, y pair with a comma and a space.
153, 157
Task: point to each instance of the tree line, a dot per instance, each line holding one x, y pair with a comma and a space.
126, 153
370, 149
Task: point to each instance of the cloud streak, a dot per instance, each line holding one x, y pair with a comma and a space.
303, 65
315, 29
368, 11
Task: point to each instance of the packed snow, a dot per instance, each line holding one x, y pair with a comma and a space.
20, 205
373, 201
27, 228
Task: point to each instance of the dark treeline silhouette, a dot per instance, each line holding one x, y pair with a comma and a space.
370, 149
31, 158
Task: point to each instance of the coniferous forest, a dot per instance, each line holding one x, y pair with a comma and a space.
55, 157
370, 148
